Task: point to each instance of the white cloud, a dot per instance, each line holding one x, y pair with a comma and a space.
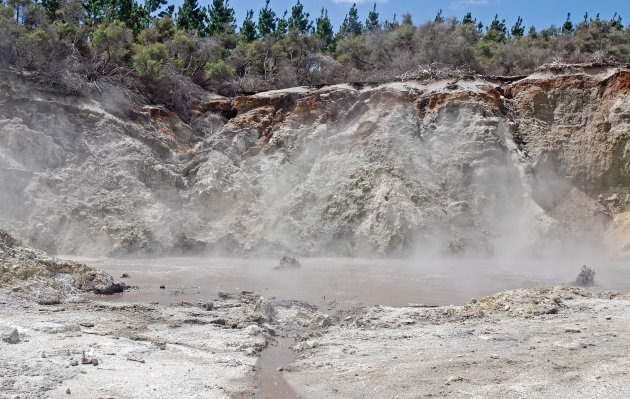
360, 1
465, 3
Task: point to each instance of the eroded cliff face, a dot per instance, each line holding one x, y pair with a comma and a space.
456, 166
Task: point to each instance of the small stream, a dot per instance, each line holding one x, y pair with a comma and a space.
271, 381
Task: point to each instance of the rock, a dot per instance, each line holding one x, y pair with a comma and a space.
162, 287
328, 321
100, 283
74, 362
68, 391
9, 335
613, 198
586, 278
288, 262
270, 330
94, 361
252, 330
265, 308
160, 344
125, 275
49, 296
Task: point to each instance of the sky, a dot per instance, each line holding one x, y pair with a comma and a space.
540, 13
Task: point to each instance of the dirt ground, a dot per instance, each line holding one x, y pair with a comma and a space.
562, 342
142, 351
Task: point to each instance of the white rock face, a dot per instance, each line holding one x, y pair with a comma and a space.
391, 169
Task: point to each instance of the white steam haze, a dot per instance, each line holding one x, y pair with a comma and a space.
346, 172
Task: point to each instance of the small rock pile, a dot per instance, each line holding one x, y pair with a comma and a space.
47, 279
288, 262
525, 302
586, 278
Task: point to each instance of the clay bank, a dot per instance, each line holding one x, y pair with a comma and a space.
467, 165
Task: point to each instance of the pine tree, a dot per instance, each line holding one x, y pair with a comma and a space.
131, 13
354, 25
298, 20
191, 18
282, 26
532, 32
615, 22
467, 19
439, 19
20, 7
391, 26
221, 18
51, 7
266, 21
496, 31
567, 27
153, 5
248, 30
324, 31
406, 19
372, 20
94, 11
518, 29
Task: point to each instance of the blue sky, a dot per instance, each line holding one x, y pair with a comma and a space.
540, 13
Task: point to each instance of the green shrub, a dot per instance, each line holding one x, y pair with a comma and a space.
219, 71
112, 41
149, 60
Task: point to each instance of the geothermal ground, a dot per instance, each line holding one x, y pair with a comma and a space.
553, 342
482, 184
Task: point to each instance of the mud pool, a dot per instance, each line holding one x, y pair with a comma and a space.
345, 282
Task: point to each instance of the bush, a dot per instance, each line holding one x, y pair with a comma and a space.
219, 71
353, 52
149, 60
36, 49
111, 42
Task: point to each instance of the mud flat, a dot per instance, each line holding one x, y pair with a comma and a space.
141, 351
560, 343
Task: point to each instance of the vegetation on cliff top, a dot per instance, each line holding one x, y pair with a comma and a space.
152, 47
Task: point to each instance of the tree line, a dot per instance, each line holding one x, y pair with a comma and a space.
151, 45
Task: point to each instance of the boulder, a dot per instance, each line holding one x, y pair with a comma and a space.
586, 278
265, 309
49, 296
288, 262
9, 335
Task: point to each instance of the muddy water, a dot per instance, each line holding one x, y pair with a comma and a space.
345, 282
338, 284
271, 382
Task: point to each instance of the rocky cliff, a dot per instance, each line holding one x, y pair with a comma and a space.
463, 165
